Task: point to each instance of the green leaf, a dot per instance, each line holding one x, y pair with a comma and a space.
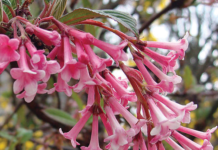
6, 2
7, 136
187, 77
60, 116
82, 14
86, 4
24, 135
58, 8
12, 4
78, 100
1, 11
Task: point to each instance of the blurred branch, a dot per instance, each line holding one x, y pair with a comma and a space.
11, 115
172, 5
37, 109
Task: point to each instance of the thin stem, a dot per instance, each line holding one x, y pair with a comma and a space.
11, 10
154, 17
11, 115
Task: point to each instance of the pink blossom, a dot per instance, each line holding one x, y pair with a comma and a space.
7, 49
81, 54
48, 37
71, 67
98, 64
167, 62
151, 84
120, 137
135, 123
163, 126
173, 144
121, 91
189, 144
94, 144
61, 86
39, 62
198, 134
72, 134
87, 38
180, 46
178, 109
25, 78
85, 80
162, 76
116, 52
3, 65
139, 142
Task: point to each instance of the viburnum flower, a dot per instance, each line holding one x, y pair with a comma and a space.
163, 126
8, 49
3, 65
121, 91
98, 64
48, 37
173, 144
178, 109
39, 62
151, 84
180, 46
189, 144
115, 51
166, 62
94, 144
120, 137
25, 78
85, 80
61, 86
71, 67
72, 134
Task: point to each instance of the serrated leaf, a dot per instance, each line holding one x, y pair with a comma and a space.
7, 136
24, 135
82, 14
58, 8
1, 11
6, 2
60, 116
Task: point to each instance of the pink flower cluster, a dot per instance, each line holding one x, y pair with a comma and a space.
157, 119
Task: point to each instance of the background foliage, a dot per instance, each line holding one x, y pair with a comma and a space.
22, 126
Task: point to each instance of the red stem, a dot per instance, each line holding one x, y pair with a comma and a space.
12, 11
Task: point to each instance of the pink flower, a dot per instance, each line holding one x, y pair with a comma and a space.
25, 78
139, 142
180, 47
61, 86
116, 52
81, 54
98, 64
178, 109
121, 91
3, 65
163, 126
94, 144
71, 67
173, 144
85, 80
189, 144
167, 62
39, 62
72, 134
135, 123
198, 134
120, 137
7, 49
151, 84
48, 37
